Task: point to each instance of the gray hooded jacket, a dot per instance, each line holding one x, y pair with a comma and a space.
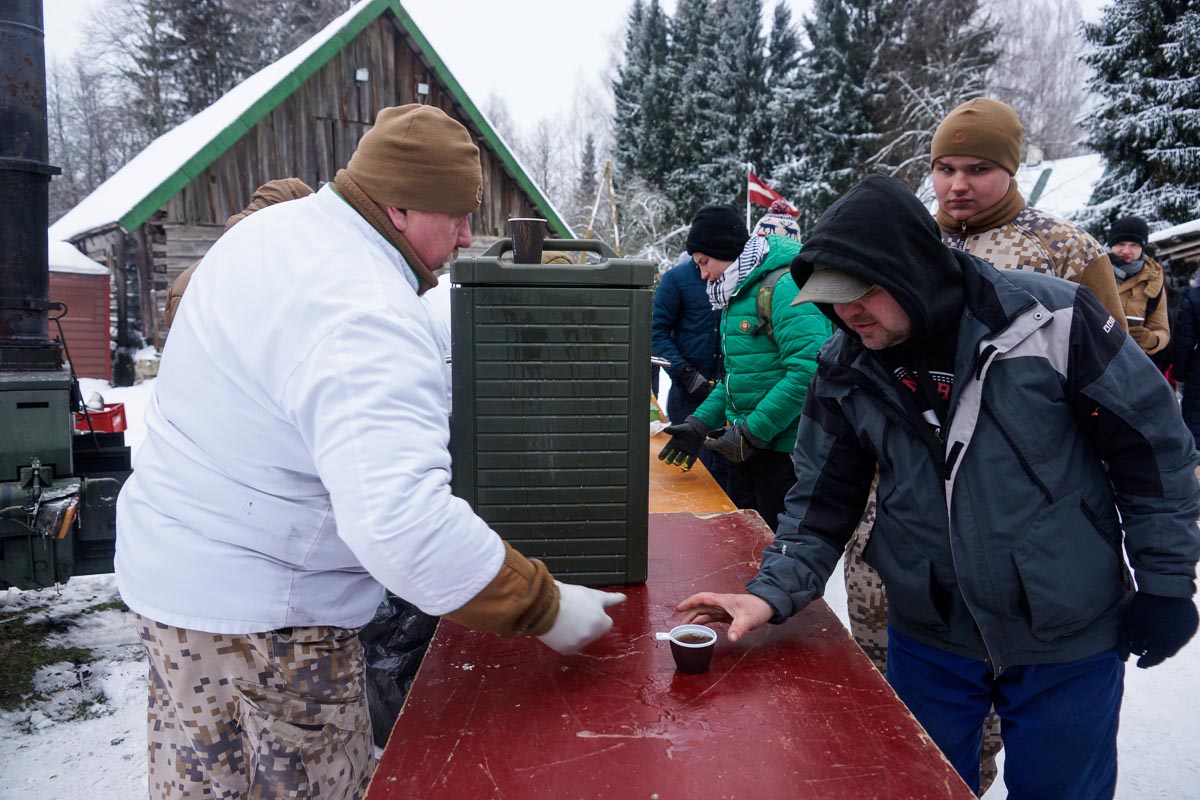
1004, 544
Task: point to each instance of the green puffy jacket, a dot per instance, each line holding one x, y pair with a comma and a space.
765, 382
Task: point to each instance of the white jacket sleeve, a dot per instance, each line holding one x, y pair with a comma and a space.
370, 402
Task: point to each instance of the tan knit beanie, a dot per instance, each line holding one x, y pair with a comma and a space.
981, 128
417, 157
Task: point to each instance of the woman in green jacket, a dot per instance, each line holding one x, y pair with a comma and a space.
770, 349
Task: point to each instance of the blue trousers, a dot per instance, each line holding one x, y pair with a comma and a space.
1058, 721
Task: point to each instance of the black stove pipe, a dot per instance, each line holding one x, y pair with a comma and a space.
25, 343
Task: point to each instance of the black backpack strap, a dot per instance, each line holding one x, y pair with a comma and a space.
1153, 302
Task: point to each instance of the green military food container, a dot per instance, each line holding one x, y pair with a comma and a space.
550, 425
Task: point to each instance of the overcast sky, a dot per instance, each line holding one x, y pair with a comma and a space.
530, 53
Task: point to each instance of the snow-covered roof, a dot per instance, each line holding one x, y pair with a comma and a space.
1062, 186
1179, 242
178, 157
1175, 231
64, 257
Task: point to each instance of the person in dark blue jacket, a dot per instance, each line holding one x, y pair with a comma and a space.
684, 332
1185, 338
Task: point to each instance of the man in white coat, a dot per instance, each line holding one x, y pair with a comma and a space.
296, 462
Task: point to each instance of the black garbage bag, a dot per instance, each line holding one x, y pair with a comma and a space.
394, 642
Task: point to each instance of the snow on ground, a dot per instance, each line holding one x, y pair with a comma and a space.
84, 736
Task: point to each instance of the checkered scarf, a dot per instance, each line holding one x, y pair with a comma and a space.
720, 290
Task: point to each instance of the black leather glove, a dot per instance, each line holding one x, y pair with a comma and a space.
1156, 627
693, 382
735, 442
686, 440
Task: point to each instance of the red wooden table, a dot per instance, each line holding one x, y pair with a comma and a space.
793, 710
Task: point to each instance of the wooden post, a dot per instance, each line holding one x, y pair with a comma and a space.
612, 202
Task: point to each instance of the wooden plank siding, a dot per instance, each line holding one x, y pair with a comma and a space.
86, 323
313, 133
310, 134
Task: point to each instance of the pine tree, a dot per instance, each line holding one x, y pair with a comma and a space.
627, 94
585, 190
718, 58
1146, 57
938, 58
781, 114
657, 150
877, 79
137, 45
741, 78
641, 95
692, 43
842, 85
215, 40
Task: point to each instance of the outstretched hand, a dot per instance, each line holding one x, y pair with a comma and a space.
743, 612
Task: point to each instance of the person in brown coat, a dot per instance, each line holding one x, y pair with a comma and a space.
1140, 283
270, 193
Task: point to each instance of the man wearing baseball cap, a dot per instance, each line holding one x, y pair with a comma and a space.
1027, 452
975, 153
296, 463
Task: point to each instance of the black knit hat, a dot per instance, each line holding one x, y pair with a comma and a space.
1129, 229
717, 231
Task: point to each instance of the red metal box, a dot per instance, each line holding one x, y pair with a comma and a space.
111, 419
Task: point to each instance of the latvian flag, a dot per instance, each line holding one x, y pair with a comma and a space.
762, 195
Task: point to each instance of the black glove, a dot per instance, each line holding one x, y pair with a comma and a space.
735, 442
686, 439
1156, 627
693, 382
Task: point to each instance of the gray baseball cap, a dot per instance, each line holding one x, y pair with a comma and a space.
831, 286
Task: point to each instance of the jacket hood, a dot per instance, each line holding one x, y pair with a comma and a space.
880, 233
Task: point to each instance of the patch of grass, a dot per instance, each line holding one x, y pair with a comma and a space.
91, 707
21, 613
116, 604
23, 651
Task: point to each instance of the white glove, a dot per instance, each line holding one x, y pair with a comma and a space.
581, 617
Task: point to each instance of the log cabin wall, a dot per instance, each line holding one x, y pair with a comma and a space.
314, 131
309, 134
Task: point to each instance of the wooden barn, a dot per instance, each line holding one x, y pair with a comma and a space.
82, 286
1179, 247
301, 116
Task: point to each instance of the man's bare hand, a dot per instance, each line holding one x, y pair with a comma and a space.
743, 612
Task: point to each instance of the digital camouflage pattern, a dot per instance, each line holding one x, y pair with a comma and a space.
261, 716
1035, 241
866, 605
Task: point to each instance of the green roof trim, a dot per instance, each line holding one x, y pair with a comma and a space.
225, 139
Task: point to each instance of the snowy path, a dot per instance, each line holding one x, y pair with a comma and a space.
47, 755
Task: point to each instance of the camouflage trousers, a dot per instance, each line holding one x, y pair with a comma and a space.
274, 715
867, 608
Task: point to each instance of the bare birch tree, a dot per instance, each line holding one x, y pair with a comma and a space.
1039, 72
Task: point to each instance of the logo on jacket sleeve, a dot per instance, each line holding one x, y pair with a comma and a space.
744, 325
1108, 326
